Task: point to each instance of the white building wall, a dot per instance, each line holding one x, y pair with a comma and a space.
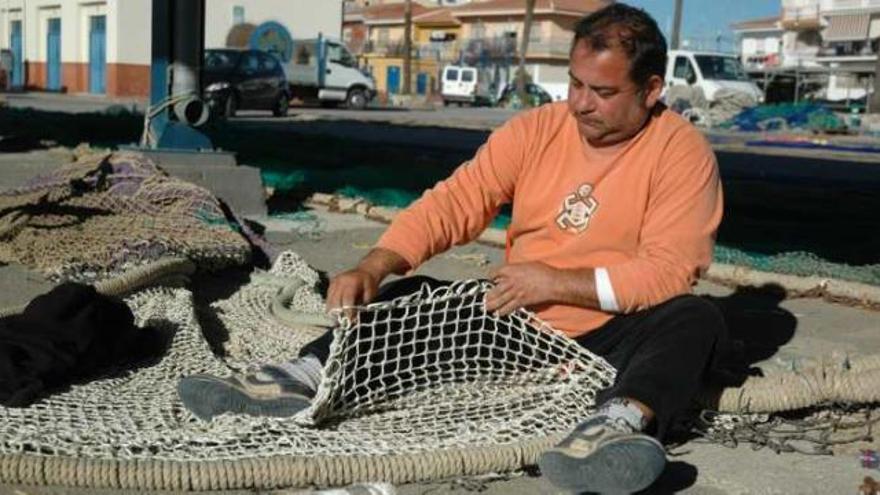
303, 18
133, 31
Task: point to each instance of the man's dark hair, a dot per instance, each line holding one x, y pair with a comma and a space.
631, 30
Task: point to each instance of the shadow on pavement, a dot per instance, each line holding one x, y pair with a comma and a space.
757, 327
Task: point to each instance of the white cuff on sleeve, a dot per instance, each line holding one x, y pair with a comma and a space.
607, 299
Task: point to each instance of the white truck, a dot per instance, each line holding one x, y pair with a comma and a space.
324, 70
710, 72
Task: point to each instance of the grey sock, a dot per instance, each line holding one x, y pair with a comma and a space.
306, 370
619, 408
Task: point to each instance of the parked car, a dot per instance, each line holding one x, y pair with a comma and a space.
465, 85
535, 92
244, 80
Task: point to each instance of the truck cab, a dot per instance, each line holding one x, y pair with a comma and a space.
710, 72
325, 70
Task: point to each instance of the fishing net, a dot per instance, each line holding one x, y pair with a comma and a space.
799, 263
103, 215
811, 410
451, 391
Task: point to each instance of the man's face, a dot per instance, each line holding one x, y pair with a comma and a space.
608, 105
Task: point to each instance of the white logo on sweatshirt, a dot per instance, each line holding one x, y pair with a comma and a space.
577, 209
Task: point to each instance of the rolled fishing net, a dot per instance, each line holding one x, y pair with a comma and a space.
103, 215
421, 387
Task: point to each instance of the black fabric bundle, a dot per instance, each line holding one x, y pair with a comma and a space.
69, 334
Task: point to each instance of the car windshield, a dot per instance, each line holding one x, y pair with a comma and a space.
721, 68
221, 59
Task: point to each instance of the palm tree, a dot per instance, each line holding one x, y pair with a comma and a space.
521, 76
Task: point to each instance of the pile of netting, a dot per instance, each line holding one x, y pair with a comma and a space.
811, 410
784, 116
798, 263
106, 214
473, 393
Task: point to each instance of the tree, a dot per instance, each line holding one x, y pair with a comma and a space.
521, 75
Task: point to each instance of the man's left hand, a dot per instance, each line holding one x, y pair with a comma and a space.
521, 285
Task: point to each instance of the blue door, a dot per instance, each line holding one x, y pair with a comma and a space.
393, 82
422, 83
53, 55
17, 55
97, 54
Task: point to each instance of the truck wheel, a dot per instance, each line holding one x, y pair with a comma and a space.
356, 99
281, 105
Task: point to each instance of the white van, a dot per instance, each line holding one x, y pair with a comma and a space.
710, 72
461, 84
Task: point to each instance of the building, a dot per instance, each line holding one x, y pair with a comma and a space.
482, 33
103, 46
850, 32
830, 47
801, 39
760, 42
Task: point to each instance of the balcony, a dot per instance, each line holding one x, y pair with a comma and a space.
831, 6
800, 18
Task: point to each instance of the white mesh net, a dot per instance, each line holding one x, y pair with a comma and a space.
448, 391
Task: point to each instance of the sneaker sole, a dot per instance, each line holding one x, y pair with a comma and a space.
626, 466
207, 396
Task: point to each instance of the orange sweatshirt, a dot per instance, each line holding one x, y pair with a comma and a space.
643, 213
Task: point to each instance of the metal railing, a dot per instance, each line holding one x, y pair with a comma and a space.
800, 13
483, 48
831, 5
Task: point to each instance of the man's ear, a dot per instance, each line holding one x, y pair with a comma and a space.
652, 90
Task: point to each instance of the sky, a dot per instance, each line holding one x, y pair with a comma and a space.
703, 20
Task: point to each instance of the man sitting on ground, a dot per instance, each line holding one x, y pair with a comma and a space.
616, 201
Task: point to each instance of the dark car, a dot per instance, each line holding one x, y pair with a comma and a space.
244, 80
536, 94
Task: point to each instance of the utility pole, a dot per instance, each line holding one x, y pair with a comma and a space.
521, 78
676, 26
407, 46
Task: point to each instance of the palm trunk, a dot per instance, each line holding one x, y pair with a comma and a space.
521, 77
407, 47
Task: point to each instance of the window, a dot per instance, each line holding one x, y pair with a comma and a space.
478, 30
249, 62
237, 15
721, 68
337, 53
382, 36
268, 63
683, 69
220, 59
467, 76
451, 74
535, 32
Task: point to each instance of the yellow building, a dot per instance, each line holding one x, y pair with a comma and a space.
485, 33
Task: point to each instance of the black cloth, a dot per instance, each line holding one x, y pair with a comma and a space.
66, 335
662, 354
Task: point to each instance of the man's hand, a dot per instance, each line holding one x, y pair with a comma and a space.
352, 288
359, 285
522, 285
